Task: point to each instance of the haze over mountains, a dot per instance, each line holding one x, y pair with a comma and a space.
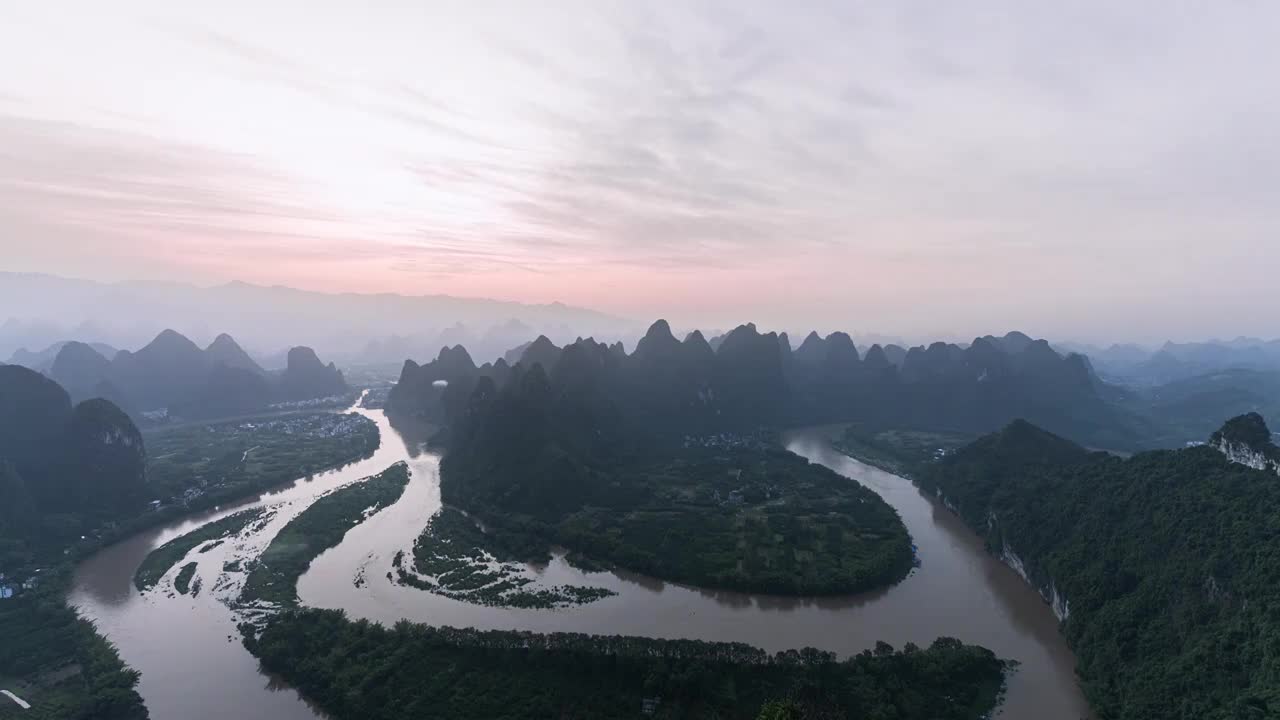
174, 375
1178, 361
40, 310
357, 329
1171, 395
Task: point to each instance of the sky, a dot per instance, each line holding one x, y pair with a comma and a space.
1090, 171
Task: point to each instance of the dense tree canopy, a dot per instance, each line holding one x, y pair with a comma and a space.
557, 462
64, 470
361, 670
70, 467
274, 575
1163, 562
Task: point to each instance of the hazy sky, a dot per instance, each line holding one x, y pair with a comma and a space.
1094, 171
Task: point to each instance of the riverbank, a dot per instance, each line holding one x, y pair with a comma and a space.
899, 451
58, 662
69, 667
192, 672
209, 464
453, 557
273, 576
163, 558
747, 517
1157, 565
364, 671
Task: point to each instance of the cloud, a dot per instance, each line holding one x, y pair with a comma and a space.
590, 150
85, 176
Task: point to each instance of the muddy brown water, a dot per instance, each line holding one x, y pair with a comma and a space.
194, 668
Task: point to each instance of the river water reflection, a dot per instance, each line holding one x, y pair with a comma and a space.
193, 666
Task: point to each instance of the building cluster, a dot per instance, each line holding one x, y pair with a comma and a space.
11, 586
734, 499
726, 441
320, 425
329, 401
312, 426
738, 497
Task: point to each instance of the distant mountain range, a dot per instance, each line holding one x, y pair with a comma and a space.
173, 374
42, 360
349, 327
1181, 391
1135, 365
748, 378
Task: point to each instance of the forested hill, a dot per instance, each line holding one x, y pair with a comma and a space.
546, 461
1163, 565
748, 378
1247, 440
65, 471
63, 467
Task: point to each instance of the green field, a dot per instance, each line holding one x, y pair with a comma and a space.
204, 465
902, 452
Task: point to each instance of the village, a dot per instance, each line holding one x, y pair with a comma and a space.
729, 441
195, 465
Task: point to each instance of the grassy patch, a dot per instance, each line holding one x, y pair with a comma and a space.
274, 576
160, 560
463, 562
899, 451
182, 583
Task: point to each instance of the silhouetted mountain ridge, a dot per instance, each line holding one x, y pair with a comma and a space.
306, 377
224, 350
56, 457
752, 378
173, 373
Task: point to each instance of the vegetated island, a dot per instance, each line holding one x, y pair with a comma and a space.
719, 512
182, 583
273, 577
579, 460
363, 670
1161, 566
162, 559
453, 557
581, 446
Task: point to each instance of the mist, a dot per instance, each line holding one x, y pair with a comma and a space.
349, 328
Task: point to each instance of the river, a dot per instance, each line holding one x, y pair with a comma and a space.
194, 668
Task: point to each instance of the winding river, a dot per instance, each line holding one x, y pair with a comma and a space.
194, 668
